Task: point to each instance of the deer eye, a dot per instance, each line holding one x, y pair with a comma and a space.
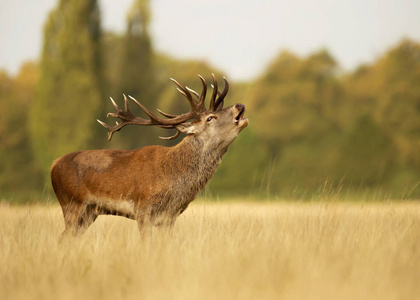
210, 118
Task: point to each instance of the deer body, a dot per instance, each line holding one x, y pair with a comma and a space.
155, 181
153, 184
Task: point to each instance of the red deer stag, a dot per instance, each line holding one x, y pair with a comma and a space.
153, 184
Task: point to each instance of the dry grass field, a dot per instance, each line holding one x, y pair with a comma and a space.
229, 250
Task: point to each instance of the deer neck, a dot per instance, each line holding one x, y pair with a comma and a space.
193, 162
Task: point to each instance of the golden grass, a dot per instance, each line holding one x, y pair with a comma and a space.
218, 251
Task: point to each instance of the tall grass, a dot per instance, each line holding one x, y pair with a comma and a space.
318, 250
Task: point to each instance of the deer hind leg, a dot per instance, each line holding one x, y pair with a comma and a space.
88, 216
78, 217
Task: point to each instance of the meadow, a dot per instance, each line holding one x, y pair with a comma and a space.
218, 250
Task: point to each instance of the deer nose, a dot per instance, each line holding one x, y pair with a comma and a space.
239, 106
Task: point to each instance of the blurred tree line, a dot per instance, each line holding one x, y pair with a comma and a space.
311, 124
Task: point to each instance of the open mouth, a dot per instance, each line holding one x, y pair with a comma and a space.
240, 115
239, 120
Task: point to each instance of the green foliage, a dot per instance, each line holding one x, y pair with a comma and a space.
389, 91
68, 93
358, 131
137, 72
398, 104
18, 172
303, 166
113, 45
367, 154
243, 168
311, 126
297, 97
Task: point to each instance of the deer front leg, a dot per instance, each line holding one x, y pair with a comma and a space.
149, 218
140, 215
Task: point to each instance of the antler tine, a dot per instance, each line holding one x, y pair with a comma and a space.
166, 114
152, 116
213, 96
117, 108
110, 129
201, 102
220, 101
192, 91
201, 98
173, 120
127, 105
170, 137
187, 94
126, 116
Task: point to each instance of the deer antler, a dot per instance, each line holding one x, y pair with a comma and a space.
197, 108
216, 105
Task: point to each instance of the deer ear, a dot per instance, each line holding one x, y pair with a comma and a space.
187, 128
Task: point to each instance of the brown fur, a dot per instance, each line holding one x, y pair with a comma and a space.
152, 184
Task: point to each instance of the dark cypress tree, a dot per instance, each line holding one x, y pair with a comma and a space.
68, 98
137, 71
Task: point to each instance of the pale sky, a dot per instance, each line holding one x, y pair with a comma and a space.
239, 37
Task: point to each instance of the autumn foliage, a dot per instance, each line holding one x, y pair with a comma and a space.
311, 123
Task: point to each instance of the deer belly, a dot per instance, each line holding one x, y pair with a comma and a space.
108, 206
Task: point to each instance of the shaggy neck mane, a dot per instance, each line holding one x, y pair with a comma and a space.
193, 162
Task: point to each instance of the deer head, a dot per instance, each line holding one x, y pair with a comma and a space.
208, 123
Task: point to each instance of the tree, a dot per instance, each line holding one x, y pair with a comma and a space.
18, 171
367, 154
69, 92
244, 169
398, 102
298, 97
137, 77
388, 90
